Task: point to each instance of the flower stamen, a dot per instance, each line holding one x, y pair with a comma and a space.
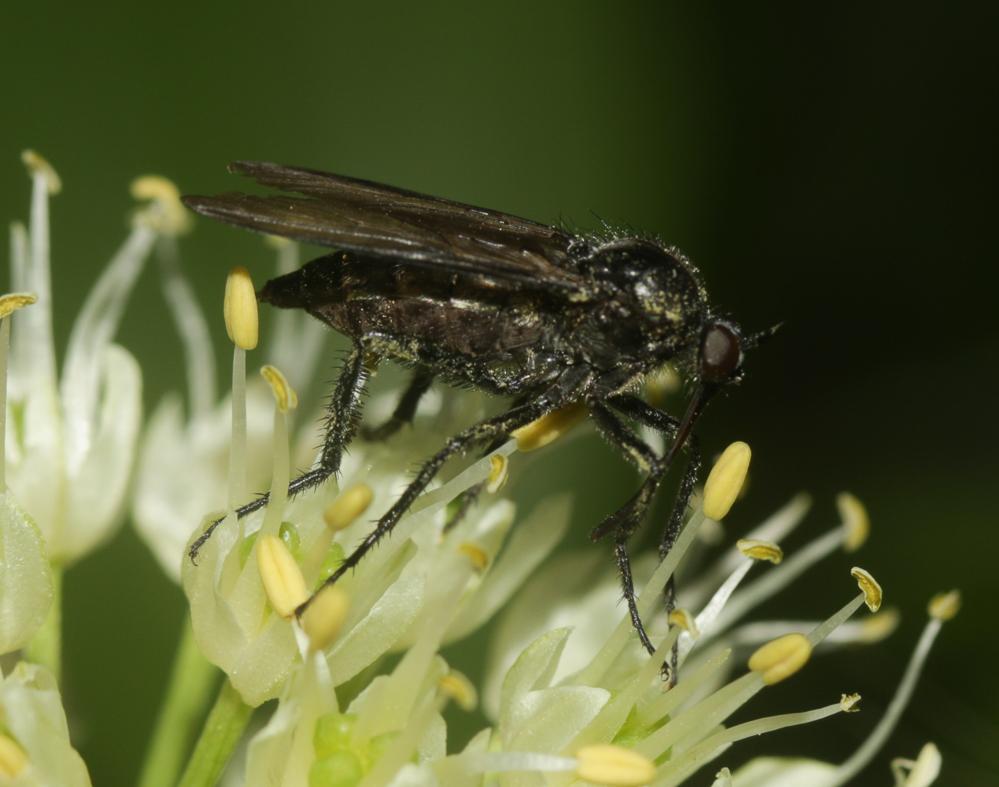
614, 766
725, 480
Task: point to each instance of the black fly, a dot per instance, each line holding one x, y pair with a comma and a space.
483, 299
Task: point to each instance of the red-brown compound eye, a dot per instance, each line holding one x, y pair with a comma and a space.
721, 352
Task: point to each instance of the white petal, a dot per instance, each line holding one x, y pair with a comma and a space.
783, 772
92, 333
96, 487
531, 543
32, 712
533, 669
546, 721
25, 576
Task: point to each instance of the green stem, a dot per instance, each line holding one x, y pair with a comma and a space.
45, 647
190, 681
222, 731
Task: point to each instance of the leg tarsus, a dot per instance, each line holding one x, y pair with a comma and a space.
344, 409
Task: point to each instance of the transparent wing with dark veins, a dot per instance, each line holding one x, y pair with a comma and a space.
401, 226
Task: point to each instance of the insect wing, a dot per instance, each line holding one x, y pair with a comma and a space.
401, 226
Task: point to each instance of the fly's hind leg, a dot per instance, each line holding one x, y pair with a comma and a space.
405, 409
343, 414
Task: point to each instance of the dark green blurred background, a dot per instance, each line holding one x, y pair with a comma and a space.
832, 167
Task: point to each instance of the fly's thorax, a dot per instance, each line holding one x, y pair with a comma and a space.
653, 305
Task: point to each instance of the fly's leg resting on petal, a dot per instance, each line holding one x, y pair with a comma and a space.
405, 409
490, 429
343, 415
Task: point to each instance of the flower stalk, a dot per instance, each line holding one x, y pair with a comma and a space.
223, 728
191, 679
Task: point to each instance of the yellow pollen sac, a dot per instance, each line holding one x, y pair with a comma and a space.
944, 606
13, 760
725, 480
682, 618
282, 578
856, 523
324, 617
550, 427
499, 468
168, 215
39, 166
849, 702
880, 625
779, 659
869, 586
755, 549
284, 394
348, 506
13, 301
240, 309
460, 689
476, 555
614, 766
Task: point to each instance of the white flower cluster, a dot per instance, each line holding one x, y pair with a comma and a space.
356, 669
67, 446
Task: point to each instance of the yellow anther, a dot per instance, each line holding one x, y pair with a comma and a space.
849, 702
499, 468
880, 625
284, 394
457, 687
13, 301
166, 214
324, 617
779, 659
856, 523
755, 549
550, 427
240, 309
282, 578
38, 166
13, 760
944, 606
476, 555
869, 586
682, 618
604, 763
725, 480
348, 506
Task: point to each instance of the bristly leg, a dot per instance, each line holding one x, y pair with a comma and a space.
484, 431
343, 414
405, 409
629, 517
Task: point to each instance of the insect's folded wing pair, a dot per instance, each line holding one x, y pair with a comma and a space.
402, 227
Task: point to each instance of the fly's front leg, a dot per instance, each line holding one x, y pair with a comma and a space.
405, 409
626, 519
668, 425
629, 516
343, 413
